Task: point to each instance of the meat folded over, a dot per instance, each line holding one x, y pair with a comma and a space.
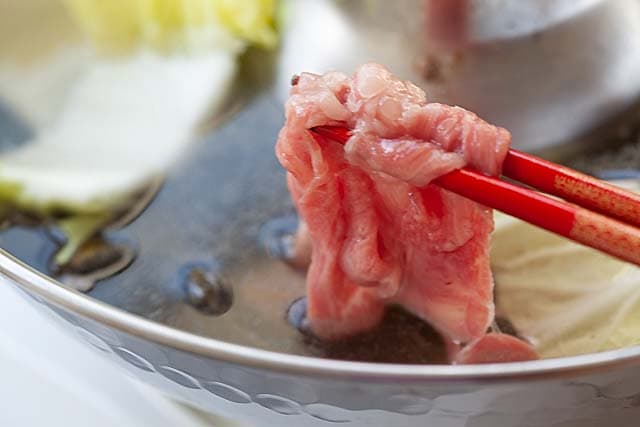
381, 233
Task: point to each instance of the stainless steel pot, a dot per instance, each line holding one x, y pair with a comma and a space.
141, 322
550, 71
273, 389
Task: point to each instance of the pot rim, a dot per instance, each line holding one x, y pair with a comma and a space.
54, 292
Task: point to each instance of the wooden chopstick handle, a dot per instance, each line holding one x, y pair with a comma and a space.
573, 186
581, 225
607, 235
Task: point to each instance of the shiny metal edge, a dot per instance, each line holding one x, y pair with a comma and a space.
56, 293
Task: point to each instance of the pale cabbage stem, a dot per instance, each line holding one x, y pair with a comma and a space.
619, 317
531, 256
599, 301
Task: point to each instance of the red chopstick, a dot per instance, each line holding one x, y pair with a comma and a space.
575, 222
551, 178
573, 186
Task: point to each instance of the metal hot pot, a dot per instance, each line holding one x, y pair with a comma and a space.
553, 71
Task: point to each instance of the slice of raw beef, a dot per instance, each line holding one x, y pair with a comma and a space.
495, 348
380, 233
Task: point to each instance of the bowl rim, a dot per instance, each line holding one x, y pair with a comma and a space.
54, 292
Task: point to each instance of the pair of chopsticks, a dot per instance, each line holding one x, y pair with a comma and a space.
593, 212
